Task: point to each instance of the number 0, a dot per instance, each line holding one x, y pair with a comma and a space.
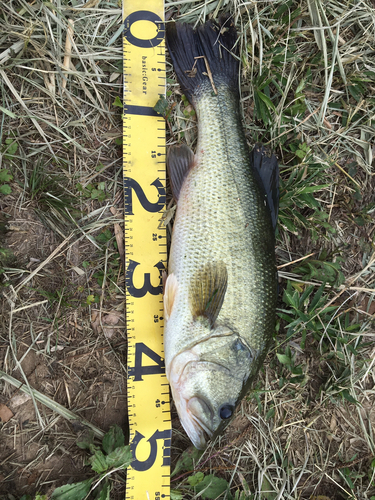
144, 15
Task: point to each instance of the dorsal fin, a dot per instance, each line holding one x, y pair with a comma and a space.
266, 170
207, 291
179, 160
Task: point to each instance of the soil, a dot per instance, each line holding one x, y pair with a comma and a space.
63, 353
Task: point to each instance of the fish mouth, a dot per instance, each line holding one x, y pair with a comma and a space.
198, 405
198, 432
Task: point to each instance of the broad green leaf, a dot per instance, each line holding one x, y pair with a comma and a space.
11, 149
187, 460
285, 360
211, 486
161, 107
90, 300
86, 441
41, 497
309, 200
5, 176
177, 495
120, 457
265, 84
117, 102
268, 493
345, 473
280, 11
104, 236
98, 462
113, 439
195, 478
286, 318
97, 194
300, 217
261, 108
75, 491
306, 294
300, 153
5, 189
291, 299
353, 328
355, 91
105, 492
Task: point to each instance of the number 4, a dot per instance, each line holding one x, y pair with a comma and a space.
138, 370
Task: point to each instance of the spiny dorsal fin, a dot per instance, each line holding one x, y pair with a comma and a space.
180, 159
266, 169
207, 291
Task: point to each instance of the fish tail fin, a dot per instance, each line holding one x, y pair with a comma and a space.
205, 58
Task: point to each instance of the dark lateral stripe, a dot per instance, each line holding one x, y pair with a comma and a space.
139, 110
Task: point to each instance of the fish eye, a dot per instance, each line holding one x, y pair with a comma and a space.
226, 411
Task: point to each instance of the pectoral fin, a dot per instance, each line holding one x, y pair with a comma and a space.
170, 291
208, 289
180, 159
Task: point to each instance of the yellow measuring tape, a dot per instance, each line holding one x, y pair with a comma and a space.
146, 250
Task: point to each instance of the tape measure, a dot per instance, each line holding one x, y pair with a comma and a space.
148, 477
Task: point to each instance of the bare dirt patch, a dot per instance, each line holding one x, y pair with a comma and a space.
82, 371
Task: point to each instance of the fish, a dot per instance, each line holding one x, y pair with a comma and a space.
221, 291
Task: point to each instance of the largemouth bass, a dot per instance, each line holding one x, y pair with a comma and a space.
220, 294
